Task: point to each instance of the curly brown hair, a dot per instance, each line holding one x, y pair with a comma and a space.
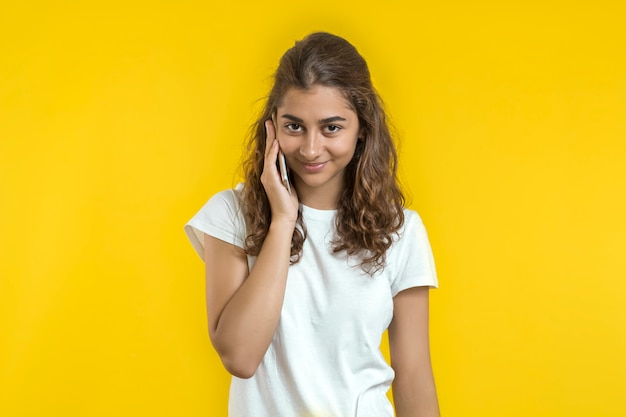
370, 208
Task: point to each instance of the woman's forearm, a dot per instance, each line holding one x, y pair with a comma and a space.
247, 323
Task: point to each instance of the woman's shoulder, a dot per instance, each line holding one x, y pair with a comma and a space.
225, 202
229, 196
412, 230
411, 218
219, 217
410, 258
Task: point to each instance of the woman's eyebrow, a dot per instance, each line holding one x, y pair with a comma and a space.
292, 118
321, 121
332, 119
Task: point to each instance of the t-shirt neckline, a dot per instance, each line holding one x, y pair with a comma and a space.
313, 213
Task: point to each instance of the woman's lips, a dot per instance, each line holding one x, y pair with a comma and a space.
314, 167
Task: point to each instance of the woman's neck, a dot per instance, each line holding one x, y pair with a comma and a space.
320, 198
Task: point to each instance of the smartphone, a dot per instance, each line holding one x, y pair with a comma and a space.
282, 167
282, 163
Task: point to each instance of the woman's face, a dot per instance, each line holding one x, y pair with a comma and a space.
317, 130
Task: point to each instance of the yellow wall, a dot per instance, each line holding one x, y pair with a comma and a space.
118, 120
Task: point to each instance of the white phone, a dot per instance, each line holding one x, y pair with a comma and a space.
282, 163
282, 167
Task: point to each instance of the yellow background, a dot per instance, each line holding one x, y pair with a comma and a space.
119, 119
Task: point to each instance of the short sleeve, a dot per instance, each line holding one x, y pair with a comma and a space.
411, 259
220, 217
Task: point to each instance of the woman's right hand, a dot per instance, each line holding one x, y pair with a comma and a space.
284, 206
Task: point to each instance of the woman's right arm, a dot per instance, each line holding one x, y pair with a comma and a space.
244, 306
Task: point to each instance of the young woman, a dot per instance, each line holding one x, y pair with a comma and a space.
302, 284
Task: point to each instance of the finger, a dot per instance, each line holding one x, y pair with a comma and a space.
270, 177
272, 153
270, 135
271, 156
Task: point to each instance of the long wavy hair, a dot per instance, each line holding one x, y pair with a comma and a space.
370, 207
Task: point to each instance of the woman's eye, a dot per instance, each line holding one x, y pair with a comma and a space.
333, 128
294, 127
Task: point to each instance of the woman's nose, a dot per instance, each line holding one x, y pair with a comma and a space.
311, 147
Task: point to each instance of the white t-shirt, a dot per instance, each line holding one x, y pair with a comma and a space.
324, 359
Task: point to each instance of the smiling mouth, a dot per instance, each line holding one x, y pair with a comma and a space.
314, 167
